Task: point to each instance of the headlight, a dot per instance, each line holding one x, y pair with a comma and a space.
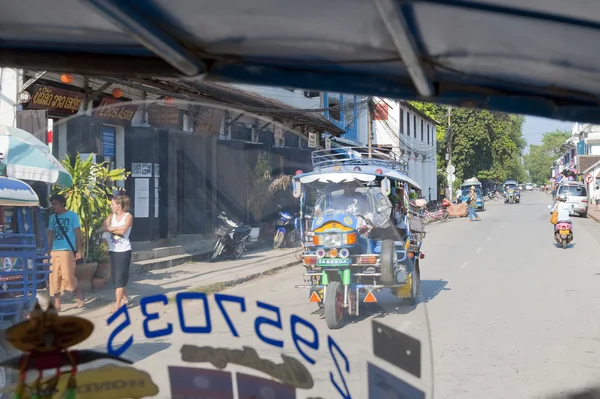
331, 240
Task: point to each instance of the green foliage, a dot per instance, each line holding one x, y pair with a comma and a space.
89, 195
541, 157
485, 144
259, 181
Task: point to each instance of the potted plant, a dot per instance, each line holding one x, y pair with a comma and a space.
259, 179
89, 198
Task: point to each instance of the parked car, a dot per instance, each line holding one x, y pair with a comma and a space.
576, 195
529, 187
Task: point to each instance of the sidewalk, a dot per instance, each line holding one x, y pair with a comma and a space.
593, 213
194, 276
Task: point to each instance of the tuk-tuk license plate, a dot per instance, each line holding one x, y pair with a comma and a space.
563, 231
333, 262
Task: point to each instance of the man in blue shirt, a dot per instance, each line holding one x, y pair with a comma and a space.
64, 240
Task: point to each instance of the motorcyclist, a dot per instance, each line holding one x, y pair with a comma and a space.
564, 210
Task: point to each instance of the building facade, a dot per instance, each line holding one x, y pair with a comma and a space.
411, 135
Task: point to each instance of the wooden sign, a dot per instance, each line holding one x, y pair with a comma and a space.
56, 101
163, 116
208, 120
115, 111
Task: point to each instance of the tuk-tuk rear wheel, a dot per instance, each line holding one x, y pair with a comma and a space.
335, 314
388, 264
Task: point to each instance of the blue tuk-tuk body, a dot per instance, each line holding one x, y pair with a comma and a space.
23, 249
354, 240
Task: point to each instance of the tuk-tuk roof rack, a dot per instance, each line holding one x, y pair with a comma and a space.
357, 156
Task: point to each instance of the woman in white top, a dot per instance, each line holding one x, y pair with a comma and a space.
117, 229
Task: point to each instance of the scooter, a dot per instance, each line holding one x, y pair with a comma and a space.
231, 238
286, 230
563, 232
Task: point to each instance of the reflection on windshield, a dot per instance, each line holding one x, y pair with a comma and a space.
213, 308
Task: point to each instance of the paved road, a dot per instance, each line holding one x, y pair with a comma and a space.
510, 314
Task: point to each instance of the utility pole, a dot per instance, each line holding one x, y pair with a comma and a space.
449, 170
370, 124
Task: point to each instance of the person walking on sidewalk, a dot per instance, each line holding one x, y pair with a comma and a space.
596, 197
64, 241
117, 228
472, 203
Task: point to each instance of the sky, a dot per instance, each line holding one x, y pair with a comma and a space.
534, 128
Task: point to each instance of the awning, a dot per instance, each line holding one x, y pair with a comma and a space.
24, 157
221, 95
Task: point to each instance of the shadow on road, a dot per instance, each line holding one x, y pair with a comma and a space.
431, 288
388, 304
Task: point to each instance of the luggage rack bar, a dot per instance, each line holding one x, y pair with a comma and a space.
357, 156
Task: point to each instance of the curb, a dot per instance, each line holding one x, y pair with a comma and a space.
222, 285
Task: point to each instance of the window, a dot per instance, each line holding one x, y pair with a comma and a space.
428, 133
401, 121
573, 191
415, 124
421, 129
408, 123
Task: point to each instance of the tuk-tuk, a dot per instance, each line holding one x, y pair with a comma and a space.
23, 249
512, 194
466, 186
357, 240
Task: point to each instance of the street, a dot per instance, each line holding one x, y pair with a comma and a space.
510, 314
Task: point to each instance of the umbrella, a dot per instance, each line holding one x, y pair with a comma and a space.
27, 158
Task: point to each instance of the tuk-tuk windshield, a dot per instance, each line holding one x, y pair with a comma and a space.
466, 190
368, 202
350, 199
510, 187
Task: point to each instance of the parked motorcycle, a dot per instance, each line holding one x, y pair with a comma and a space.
231, 238
440, 213
492, 195
286, 230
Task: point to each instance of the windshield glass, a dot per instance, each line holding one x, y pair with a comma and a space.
351, 200
147, 211
466, 191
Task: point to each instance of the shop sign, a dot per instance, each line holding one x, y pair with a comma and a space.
56, 101
208, 120
163, 116
115, 111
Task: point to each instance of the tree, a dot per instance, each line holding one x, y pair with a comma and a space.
487, 145
541, 157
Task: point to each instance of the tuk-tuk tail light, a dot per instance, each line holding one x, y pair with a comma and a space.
315, 239
310, 260
321, 253
333, 253
344, 253
350, 239
369, 260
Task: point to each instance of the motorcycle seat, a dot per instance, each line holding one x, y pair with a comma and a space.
243, 230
